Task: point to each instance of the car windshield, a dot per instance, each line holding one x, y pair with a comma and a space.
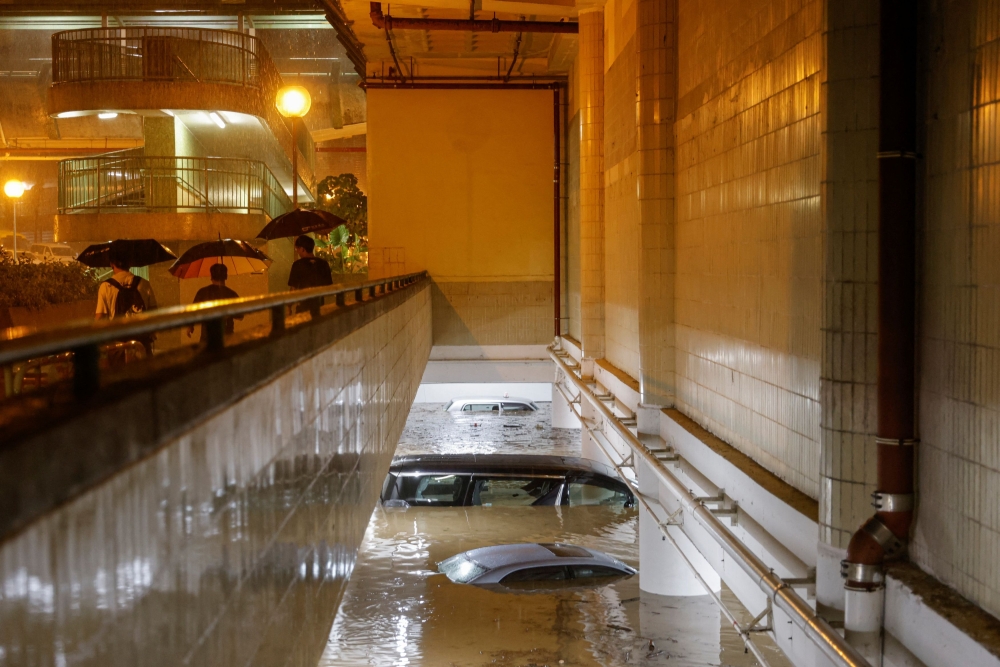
62, 252
460, 569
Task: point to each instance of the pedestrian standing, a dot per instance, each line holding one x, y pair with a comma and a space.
309, 271
216, 291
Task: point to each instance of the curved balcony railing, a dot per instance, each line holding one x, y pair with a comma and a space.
131, 182
162, 54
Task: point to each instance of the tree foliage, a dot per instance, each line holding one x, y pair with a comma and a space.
35, 286
341, 196
344, 251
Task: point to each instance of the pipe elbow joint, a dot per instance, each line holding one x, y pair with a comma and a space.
375, 11
873, 544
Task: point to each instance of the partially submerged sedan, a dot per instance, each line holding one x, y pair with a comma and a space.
530, 566
507, 405
502, 480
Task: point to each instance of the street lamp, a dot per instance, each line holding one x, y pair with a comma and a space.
14, 189
294, 102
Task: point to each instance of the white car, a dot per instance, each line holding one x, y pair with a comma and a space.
51, 252
524, 565
492, 404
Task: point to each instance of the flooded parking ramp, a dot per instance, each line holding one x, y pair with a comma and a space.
398, 610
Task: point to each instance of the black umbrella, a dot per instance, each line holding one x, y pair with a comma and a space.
138, 252
301, 221
238, 257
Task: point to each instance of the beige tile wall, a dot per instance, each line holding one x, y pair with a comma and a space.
957, 534
749, 260
590, 94
231, 545
850, 269
492, 313
621, 204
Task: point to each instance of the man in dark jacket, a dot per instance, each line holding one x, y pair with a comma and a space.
309, 271
214, 292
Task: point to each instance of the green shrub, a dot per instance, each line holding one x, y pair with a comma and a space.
27, 285
345, 252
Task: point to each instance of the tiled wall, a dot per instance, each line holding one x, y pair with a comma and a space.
621, 205
230, 546
749, 259
850, 268
492, 313
957, 535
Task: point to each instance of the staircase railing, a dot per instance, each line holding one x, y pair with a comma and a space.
130, 182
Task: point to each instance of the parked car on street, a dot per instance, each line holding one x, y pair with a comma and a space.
507, 480
51, 252
540, 565
502, 405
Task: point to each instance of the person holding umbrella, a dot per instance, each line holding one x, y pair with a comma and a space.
216, 291
309, 271
124, 294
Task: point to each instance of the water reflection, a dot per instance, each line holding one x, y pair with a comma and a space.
398, 610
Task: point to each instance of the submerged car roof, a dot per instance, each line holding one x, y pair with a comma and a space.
528, 554
526, 463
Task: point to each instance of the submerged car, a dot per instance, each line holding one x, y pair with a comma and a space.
502, 480
533, 565
494, 405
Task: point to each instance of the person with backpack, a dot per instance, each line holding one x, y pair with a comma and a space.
124, 294
216, 291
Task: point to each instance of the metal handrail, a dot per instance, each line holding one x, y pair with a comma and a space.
84, 337
781, 595
147, 53
229, 184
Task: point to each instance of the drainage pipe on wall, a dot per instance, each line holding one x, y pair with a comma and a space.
884, 535
383, 22
556, 213
781, 595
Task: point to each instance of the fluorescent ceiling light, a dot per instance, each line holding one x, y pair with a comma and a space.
217, 119
168, 112
107, 115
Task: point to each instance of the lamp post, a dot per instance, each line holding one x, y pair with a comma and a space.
294, 102
14, 189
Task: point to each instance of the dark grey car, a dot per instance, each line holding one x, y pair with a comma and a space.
508, 480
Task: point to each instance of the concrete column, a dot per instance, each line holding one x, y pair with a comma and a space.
160, 140
656, 105
563, 415
662, 569
589, 449
591, 92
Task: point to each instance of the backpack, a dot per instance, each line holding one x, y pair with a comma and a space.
129, 301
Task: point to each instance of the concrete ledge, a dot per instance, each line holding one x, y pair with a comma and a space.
196, 226
936, 624
63, 448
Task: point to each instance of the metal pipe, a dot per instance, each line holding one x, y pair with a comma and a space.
826, 639
886, 533
744, 635
557, 214
383, 22
458, 85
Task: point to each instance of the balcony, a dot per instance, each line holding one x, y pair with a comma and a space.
157, 71
184, 198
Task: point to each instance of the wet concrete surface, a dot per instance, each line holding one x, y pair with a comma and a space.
398, 610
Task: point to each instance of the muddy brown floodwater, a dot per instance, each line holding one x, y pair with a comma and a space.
398, 610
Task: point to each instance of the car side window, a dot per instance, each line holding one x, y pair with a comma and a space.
547, 573
595, 492
481, 407
593, 571
440, 490
515, 492
515, 408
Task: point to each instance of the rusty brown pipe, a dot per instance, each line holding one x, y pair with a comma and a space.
885, 534
383, 22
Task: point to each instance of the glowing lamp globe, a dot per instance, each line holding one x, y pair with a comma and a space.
293, 102
13, 189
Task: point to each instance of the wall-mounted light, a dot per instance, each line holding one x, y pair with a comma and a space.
107, 115
217, 119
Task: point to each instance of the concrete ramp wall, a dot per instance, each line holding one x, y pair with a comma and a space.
229, 543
